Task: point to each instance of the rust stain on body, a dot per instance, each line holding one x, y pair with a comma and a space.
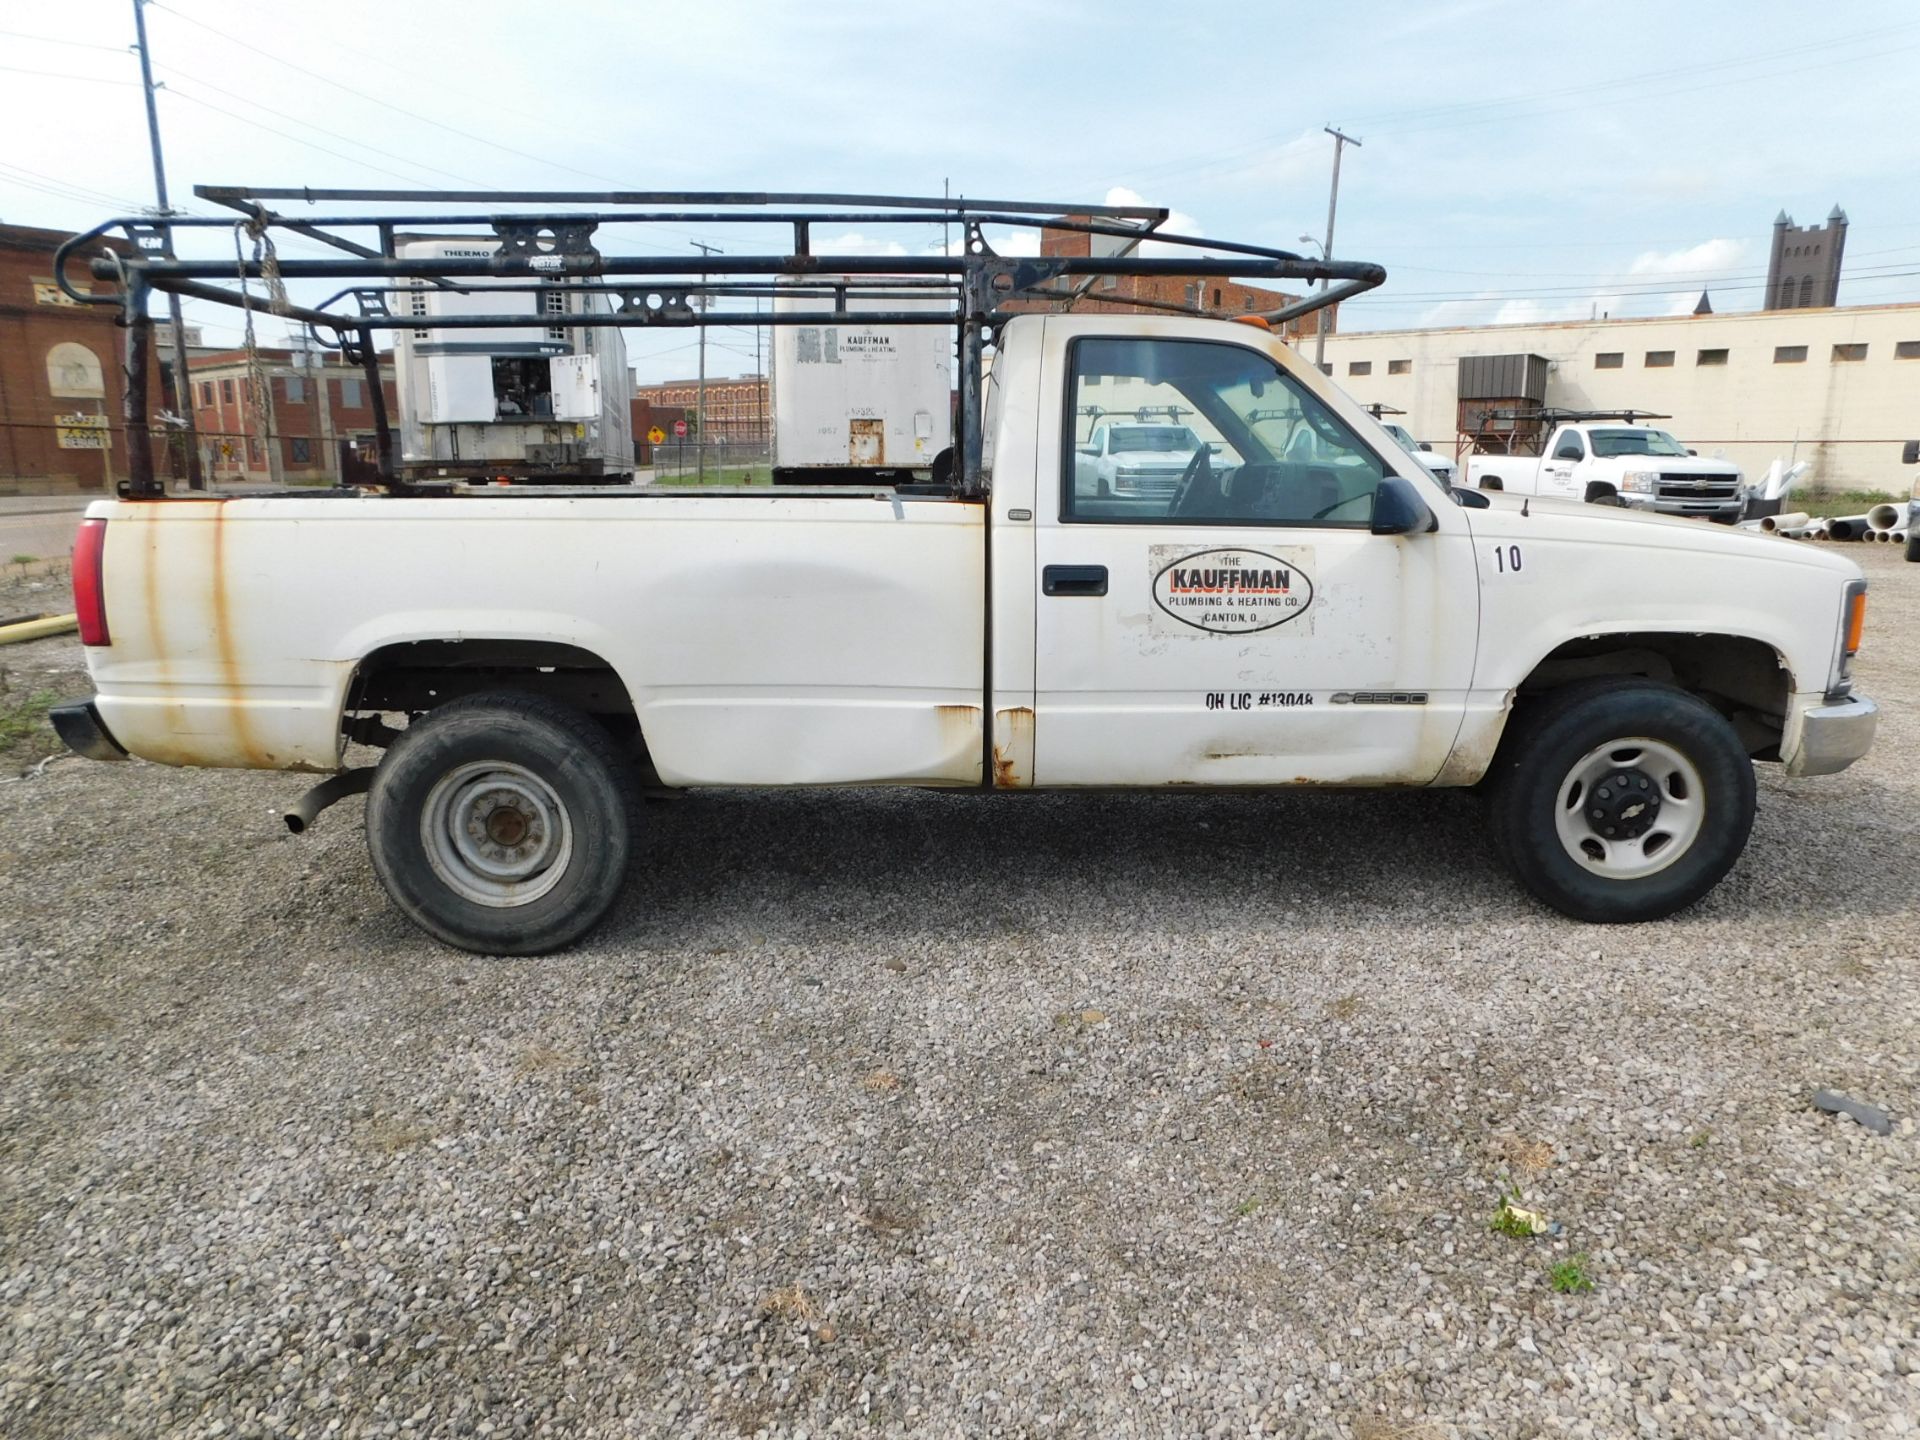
228, 656
1013, 748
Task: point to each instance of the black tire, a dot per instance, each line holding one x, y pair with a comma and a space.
562, 776
1533, 776
1913, 549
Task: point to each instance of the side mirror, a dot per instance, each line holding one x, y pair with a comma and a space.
1399, 510
1426, 445
1213, 449
1470, 499
1693, 452
1089, 449
1910, 453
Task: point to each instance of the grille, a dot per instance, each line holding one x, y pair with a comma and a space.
1146, 482
1698, 487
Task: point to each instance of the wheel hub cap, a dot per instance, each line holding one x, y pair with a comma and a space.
496, 833
1630, 808
1624, 805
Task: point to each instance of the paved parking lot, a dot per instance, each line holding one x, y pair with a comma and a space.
900, 1112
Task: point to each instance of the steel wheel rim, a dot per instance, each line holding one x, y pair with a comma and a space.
496, 833
1583, 814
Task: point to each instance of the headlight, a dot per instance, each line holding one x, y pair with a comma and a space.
1640, 482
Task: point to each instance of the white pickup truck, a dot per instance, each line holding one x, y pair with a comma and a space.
1132, 459
534, 662
1618, 464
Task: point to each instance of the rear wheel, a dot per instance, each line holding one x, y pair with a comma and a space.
1913, 549
503, 823
1622, 800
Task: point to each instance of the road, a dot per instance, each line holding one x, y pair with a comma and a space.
888, 1112
39, 527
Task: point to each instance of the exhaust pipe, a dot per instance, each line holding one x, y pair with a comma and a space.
335, 787
1796, 521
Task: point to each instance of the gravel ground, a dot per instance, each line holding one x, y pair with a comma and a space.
891, 1113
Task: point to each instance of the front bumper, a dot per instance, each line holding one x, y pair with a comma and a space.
81, 729
1832, 735
1725, 511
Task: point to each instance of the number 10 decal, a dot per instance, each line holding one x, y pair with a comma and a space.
1506, 559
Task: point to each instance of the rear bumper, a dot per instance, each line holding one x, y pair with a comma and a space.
81, 729
1833, 735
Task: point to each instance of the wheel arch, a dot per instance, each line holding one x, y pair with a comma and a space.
1745, 677
418, 675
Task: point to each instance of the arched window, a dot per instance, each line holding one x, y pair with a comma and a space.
1806, 290
74, 370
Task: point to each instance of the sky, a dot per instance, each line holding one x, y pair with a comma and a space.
1517, 161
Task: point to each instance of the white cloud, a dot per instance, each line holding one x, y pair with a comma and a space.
1696, 266
1653, 283
854, 243
1178, 222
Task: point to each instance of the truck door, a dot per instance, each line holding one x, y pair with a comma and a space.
1241, 625
866, 442
1560, 470
576, 387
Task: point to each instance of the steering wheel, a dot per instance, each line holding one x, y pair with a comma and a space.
1322, 514
1199, 467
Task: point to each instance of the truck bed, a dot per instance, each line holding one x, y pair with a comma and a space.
827, 638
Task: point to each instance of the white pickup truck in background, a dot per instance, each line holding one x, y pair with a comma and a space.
1441, 467
1302, 605
1616, 463
1133, 459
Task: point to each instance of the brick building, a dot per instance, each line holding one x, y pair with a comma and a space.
739, 410
1121, 293
62, 379
315, 401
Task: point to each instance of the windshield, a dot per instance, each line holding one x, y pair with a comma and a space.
1407, 442
1167, 439
1608, 443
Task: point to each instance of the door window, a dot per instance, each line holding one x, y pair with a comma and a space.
1227, 438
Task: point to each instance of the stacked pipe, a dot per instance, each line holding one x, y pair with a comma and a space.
1881, 524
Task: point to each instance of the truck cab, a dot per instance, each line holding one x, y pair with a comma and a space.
1619, 463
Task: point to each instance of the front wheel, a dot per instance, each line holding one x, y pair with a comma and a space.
503, 823
1622, 800
1913, 549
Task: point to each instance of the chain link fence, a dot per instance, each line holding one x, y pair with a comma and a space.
724, 462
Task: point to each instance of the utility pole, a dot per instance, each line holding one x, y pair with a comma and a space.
1326, 247
700, 415
182, 381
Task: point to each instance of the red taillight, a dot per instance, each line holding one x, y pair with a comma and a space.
89, 587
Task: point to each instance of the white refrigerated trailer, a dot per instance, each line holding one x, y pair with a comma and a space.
529, 404
859, 404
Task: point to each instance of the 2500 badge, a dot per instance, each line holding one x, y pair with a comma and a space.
1231, 592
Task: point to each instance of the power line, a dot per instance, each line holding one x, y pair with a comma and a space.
546, 162
70, 44
1246, 155
72, 191
63, 75
1598, 291
1664, 75
321, 129
180, 94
